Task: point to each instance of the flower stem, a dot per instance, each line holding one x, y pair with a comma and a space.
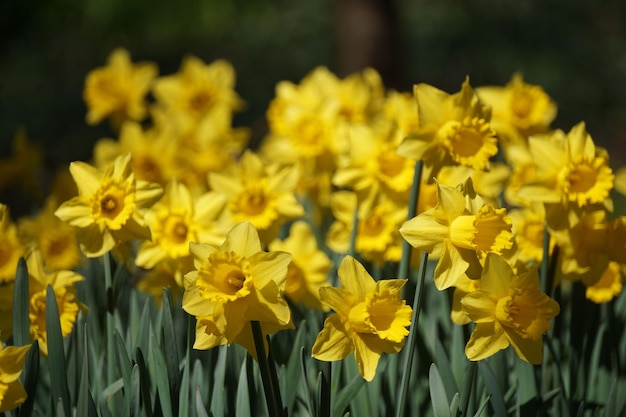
410, 344
271, 392
108, 290
405, 261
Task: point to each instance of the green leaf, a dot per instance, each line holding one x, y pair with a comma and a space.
482, 406
200, 405
323, 396
56, 353
293, 371
160, 376
218, 395
445, 371
21, 306
454, 405
143, 337
124, 364
347, 394
440, 403
170, 348
183, 405
308, 399
466, 389
85, 406
135, 392
144, 381
243, 395
493, 388
611, 409
30, 377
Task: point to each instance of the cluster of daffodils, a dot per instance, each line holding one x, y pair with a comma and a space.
242, 237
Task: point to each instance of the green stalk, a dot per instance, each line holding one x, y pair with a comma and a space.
268, 388
405, 261
403, 272
108, 290
410, 344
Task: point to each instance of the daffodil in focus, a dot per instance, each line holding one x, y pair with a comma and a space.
309, 267
609, 285
260, 194
63, 284
109, 207
454, 129
118, 90
571, 175
234, 284
11, 248
508, 309
460, 230
57, 240
370, 318
176, 220
12, 392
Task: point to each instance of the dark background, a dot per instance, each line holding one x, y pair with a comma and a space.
575, 49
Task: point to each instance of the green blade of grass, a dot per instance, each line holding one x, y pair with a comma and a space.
218, 395
56, 353
21, 306
135, 392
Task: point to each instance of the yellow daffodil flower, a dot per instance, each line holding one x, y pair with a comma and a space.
370, 318
198, 89
107, 210
371, 164
584, 252
118, 89
63, 283
11, 248
528, 229
608, 286
175, 221
453, 129
508, 309
571, 174
233, 285
377, 236
309, 267
57, 241
152, 153
12, 392
262, 195
460, 231
519, 110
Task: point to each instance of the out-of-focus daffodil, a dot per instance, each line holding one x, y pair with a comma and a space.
309, 267
233, 285
118, 89
108, 209
571, 175
11, 248
608, 286
57, 241
12, 392
175, 221
63, 283
508, 309
370, 318
259, 194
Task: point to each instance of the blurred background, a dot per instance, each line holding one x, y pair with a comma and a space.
576, 50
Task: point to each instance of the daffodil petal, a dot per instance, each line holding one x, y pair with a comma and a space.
355, 279
527, 348
367, 355
333, 342
243, 239
486, 340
